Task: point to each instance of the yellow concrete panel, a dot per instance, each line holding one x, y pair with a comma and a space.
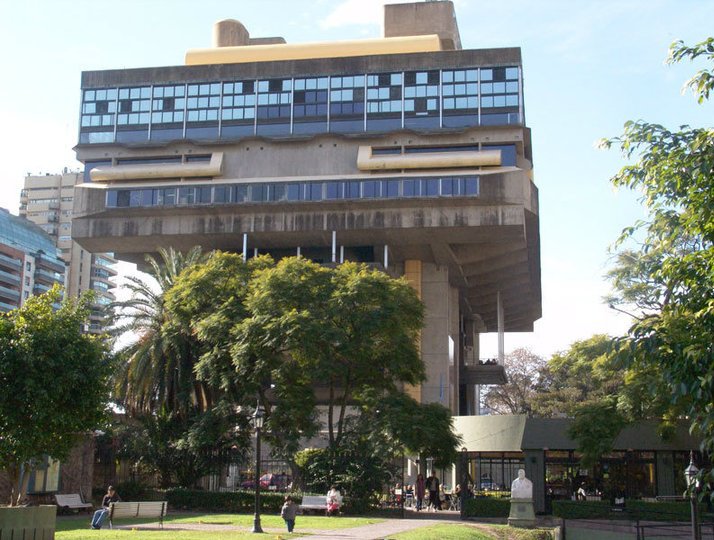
154, 171
412, 273
426, 160
307, 51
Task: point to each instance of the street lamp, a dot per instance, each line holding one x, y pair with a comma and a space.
258, 419
690, 474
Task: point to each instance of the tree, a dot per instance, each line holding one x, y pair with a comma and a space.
523, 370
582, 375
295, 334
674, 251
55, 382
158, 365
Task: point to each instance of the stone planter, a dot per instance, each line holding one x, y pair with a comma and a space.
37, 522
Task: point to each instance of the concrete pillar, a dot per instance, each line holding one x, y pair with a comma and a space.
298, 251
435, 336
342, 254
245, 247
535, 472
501, 324
386, 256
334, 246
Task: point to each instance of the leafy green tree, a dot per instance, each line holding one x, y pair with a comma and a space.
524, 372
673, 253
157, 367
582, 375
55, 382
296, 334
348, 330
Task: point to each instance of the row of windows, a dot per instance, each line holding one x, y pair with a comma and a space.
452, 186
451, 98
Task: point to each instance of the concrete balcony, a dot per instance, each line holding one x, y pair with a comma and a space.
48, 277
8, 278
10, 262
40, 289
483, 374
5, 307
11, 294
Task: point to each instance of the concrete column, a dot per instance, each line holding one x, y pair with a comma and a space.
342, 254
255, 252
501, 324
298, 251
334, 246
435, 336
386, 256
245, 247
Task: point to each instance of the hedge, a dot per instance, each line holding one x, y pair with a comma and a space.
487, 507
633, 509
582, 509
663, 511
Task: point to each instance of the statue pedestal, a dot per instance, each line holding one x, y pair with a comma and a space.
522, 514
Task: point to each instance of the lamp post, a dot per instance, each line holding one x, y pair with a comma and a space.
690, 473
258, 418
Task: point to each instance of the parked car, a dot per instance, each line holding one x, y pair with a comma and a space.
270, 481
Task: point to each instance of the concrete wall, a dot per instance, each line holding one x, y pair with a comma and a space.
434, 340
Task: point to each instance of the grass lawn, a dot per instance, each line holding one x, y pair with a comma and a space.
443, 532
77, 527
464, 532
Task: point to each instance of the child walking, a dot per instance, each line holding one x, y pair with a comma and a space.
288, 512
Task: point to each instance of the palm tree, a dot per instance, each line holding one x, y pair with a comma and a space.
157, 372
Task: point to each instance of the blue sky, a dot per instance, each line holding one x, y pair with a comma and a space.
588, 67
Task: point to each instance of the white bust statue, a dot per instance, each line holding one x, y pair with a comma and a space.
521, 488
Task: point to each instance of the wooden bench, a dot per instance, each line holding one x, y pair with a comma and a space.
72, 501
314, 502
137, 509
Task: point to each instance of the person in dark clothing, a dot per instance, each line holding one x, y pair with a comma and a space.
432, 485
288, 513
101, 514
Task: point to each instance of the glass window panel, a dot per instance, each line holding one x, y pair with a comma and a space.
410, 188
334, 190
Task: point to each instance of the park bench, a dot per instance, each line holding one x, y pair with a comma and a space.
314, 502
72, 501
137, 509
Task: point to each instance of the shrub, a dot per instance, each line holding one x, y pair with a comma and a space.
234, 502
582, 509
662, 511
487, 507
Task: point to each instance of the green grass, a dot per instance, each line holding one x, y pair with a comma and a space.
77, 527
443, 532
463, 532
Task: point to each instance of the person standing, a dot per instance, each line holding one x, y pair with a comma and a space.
432, 484
100, 515
419, 489
288, 512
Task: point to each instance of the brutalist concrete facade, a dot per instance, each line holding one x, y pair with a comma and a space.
419, 162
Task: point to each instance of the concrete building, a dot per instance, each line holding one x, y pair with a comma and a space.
641, 465
29, 261
47, 201
407, 152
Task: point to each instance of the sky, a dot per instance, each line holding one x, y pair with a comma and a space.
588, 67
